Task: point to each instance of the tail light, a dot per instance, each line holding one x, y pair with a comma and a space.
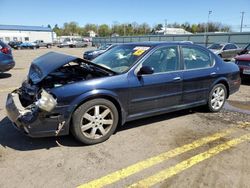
5, 50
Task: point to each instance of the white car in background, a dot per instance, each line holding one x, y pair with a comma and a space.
226, 51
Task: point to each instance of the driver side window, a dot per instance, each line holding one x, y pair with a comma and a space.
163, 60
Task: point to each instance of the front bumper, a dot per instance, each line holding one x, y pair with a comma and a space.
33, 121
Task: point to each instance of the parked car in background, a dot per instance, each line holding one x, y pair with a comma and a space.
14, 44
6, 59
91, 54
245, 50
226, 51
128, 82
243, 61
41, 43
26, 45
78, 43
65, 43
73, 43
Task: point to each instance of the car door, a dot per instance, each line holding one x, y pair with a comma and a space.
158, 91
198, 74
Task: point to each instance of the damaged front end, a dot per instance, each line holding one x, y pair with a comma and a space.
31, 118
35, 108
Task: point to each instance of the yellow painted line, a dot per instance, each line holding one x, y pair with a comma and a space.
137, 167
7, 89
169, 172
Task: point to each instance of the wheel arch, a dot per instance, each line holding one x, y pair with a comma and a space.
106, 96
224, 82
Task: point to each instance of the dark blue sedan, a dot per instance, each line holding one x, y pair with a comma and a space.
6, 59
64, 93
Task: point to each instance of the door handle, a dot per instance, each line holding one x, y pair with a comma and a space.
177, 78
213, 74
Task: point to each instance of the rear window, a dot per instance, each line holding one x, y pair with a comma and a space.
230, 47
215, 46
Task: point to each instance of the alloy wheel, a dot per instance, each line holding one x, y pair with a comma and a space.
97, 121
218, 98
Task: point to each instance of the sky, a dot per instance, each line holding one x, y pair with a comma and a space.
44, 12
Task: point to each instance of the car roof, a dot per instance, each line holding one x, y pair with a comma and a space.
158, 43
224, 43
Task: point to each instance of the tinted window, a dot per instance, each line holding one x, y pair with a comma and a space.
163, 60
195, 58
215, 46
230, 47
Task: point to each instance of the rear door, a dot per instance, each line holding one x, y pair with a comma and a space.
158, 91
198, 74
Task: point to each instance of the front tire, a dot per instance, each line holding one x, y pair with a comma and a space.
94, 121
217, 98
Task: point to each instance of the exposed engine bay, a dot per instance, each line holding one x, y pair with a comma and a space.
70, 73
67, 74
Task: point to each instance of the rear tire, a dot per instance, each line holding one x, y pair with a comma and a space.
94, 121
217, 98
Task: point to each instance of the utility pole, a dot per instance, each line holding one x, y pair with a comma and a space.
209, 12
242, 18
124, 29
166, 25
206, 28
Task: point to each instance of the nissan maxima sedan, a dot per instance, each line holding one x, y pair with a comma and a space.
65, 94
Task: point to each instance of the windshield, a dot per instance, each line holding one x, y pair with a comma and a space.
215, 46
120, 58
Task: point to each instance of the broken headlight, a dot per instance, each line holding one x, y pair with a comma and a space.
47, 102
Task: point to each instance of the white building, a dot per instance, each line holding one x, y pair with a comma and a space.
170, 30
92, 33
25, 33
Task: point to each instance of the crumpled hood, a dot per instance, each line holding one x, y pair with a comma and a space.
45, 64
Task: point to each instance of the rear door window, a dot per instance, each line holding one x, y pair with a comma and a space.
195, 58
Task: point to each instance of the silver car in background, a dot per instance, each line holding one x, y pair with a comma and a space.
226, 51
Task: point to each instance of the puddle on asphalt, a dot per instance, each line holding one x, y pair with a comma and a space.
238, 106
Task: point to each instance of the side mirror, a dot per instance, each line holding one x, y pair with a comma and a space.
145, 70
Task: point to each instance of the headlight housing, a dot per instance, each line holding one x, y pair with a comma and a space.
47, 102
